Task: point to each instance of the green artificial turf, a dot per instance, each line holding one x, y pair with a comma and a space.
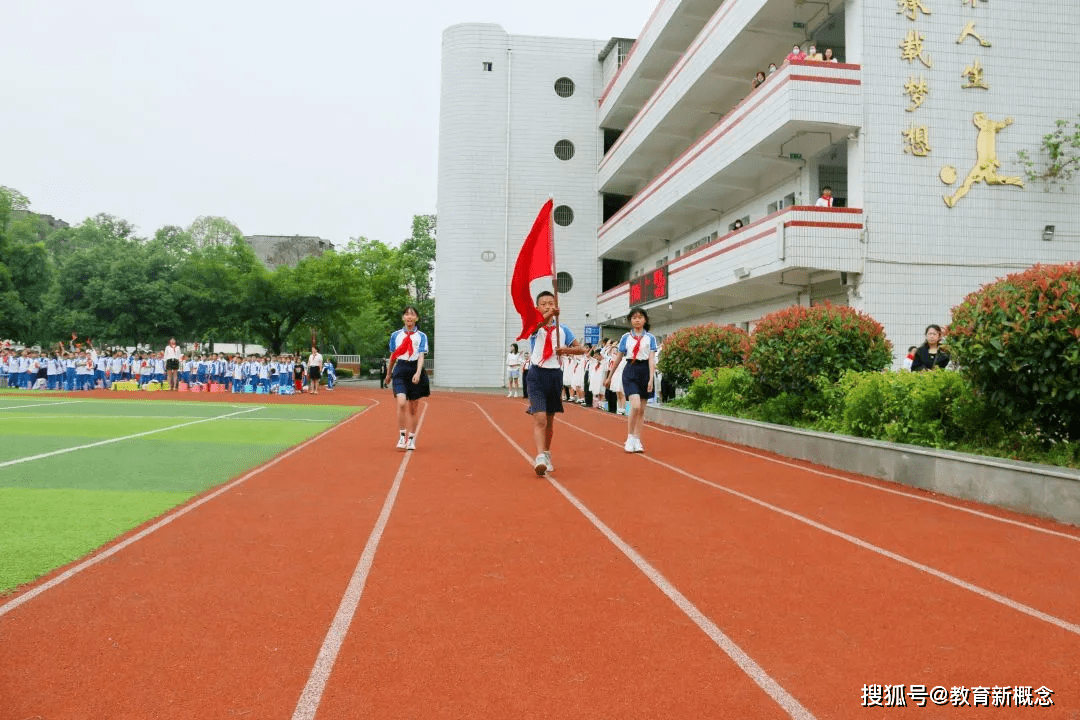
56, 509
44, 529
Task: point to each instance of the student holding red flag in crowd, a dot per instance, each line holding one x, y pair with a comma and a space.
549, 340
409, 381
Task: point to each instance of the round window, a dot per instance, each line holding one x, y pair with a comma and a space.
564, 215
564, 149
564, 282
564, 87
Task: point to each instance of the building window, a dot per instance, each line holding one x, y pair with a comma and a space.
563, 215
564, 282
789, 199
564, 87
486, 66
564, 149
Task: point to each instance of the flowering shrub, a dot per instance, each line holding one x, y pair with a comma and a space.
790, 347
702, 347
1018, 341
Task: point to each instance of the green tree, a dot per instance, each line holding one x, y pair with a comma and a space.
209, 230
321, 292
25, 268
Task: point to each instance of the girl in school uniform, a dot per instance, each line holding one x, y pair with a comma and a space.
638, 348
597, 375
513, 371
406, 375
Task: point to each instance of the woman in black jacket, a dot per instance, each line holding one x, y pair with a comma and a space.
930, 354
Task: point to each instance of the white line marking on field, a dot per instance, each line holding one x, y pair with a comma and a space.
36, 405
853, 481
166, 417
990, 595
747, 664
119, 439
308, 703
105, 554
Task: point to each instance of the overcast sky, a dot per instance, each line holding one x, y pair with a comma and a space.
314, 118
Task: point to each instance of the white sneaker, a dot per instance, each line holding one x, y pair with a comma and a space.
628, 446
411, 445
401, 442
540, 465
550, 465
638, 447
619, 411
509, 394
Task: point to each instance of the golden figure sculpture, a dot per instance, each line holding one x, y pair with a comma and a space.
986, 166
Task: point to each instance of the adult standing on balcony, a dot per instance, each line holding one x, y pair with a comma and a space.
796, 55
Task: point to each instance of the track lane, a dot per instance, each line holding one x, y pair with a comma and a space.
1018, 562
491, 596
220, 613
798, 599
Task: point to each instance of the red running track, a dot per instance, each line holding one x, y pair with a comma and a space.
346, 579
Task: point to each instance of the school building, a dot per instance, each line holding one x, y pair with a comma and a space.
680, 187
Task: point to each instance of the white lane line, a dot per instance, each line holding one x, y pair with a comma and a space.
747, 664
119, 439
37, 405
863, 483
105, 554
308, 704
990, 595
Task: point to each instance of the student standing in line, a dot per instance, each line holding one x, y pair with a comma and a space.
406, 375
513, 371
551, 341
639, 348
314, 369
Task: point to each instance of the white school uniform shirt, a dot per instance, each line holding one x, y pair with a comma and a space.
513, 360
264, 371
419, 344
172, 352
69, 364
117, 365
645, 350
159, 366
563, 338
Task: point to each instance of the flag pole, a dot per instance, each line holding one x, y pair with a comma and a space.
554, 272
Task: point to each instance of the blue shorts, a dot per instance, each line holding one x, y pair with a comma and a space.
635, 379
402, 382
545, 390
514, 374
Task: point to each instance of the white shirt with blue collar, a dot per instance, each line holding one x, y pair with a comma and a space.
645, 350
419, 344
563, 337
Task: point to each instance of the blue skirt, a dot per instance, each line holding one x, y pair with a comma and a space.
402, 381
635, 380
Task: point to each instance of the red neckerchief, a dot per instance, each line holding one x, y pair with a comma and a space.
406, 346
549, 348
637, 344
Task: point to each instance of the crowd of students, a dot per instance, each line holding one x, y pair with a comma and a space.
78, 369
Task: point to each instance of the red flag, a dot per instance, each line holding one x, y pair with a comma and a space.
536, 260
